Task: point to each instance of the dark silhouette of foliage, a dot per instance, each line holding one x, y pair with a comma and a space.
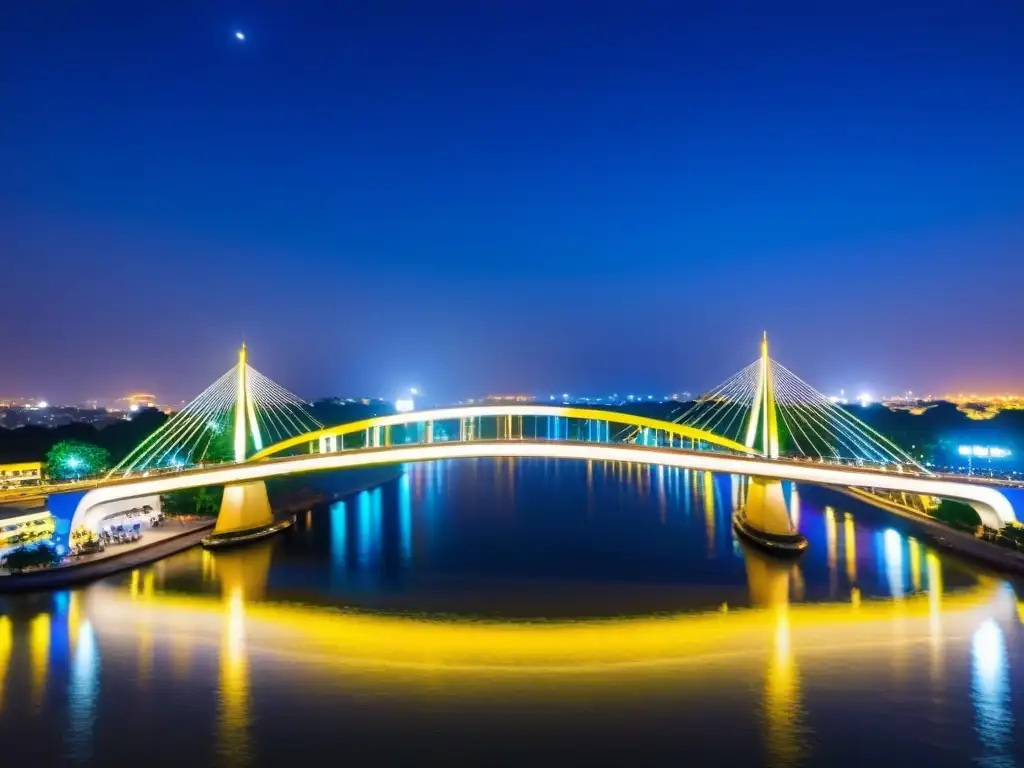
30, 557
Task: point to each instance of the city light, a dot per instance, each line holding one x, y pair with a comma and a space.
404, 404
42, 404
984, 451
865, 399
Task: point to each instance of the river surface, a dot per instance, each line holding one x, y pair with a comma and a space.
527, 612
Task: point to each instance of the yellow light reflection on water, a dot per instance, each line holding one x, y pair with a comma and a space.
782, 696
934, 567
565, 658
39, 652
233, 683
935, 587
850, 545
709, 512
831, 548
6, 644
915, 563
408, 642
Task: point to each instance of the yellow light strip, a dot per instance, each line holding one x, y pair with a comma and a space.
506, 411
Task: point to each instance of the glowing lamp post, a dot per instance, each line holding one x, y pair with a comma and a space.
405, 403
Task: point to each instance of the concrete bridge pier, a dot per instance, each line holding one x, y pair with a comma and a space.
244, 506
764, 520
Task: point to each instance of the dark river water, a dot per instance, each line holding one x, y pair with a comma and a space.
527, 612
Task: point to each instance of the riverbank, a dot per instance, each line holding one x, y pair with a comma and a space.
942, 536
162, 542
156, 544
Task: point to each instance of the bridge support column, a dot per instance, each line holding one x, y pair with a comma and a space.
764, 519
244, 506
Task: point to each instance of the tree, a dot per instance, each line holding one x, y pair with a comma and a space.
204, 502
23, 557
957, 514
73, 459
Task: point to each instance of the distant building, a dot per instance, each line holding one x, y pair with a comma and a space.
52, 416
509, 399
23, 473
19, 402
135, 401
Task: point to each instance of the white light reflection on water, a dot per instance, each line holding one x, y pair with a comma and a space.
339, 535
83, 690
893, 553
990, 693
405, 516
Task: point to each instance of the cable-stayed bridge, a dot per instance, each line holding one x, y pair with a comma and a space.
229, 420
764, 423
798, 420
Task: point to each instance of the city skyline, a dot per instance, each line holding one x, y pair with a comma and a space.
123, 403
616, 200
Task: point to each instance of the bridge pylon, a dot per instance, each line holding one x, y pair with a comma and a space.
763, 422
245, 412
230, 420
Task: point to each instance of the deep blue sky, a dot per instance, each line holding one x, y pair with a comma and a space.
509, 195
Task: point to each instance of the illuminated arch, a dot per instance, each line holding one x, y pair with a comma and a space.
489, 411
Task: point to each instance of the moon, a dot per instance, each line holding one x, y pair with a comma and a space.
240, 35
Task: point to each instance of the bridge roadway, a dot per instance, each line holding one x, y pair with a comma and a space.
993, 506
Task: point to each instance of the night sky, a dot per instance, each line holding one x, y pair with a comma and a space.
508, 195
